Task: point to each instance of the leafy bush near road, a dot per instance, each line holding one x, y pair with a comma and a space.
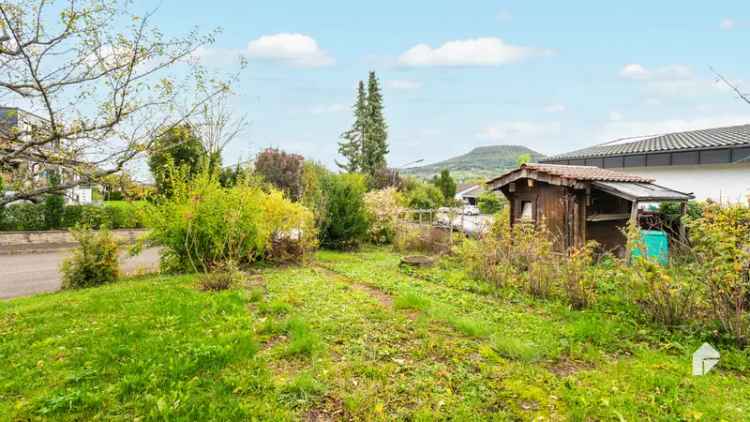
94, 262
24, 217
50, 215
203, 225
421, 195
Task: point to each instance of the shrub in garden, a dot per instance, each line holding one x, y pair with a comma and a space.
313, 196
94, 262
489, 203
666, 295
225, 276
292, 229
578, 276
721, 244
521, 256
424, 239
421, 195
203, 225
345, 223
383, 208
124, 214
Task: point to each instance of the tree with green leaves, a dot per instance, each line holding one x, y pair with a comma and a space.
179, 148
353, 139
446, 184
103, 82
365, 145
523, 159
375, 147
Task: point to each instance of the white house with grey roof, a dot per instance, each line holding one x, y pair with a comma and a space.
710, 163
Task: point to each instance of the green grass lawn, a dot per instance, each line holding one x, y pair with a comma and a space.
350, 337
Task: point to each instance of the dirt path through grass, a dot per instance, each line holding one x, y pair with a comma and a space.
554, 362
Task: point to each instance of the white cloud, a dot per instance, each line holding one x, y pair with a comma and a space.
664, 73
615, 116
403, 84
555, 108
727, 24
296, 49
634, 71
519, 132
487, 51
328, 108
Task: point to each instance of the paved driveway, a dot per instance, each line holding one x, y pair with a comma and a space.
27, 274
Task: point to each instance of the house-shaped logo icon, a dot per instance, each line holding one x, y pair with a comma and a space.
704, 359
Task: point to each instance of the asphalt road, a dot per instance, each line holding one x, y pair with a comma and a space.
28, 274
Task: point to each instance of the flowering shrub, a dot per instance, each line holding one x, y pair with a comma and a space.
203, 225
383, 207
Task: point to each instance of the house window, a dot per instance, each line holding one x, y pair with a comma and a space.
527, 211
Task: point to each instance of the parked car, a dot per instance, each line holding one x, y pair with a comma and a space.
471, 210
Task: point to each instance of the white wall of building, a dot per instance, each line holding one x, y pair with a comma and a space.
80, 195
719, 182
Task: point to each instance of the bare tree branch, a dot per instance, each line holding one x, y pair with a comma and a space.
94, 97
744, 97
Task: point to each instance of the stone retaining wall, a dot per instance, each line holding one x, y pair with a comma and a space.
32, 241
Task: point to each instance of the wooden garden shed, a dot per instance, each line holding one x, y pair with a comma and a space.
581, 203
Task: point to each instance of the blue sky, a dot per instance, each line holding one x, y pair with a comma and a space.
553, 76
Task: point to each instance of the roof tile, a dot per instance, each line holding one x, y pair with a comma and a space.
583, 173
696, 139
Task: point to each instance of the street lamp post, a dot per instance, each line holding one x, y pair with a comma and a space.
402, 166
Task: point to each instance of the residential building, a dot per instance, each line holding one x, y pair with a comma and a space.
17, 123
710, 163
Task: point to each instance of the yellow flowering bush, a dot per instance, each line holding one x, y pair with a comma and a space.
203, 225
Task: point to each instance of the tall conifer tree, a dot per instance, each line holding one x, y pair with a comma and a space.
353, 140
375, 147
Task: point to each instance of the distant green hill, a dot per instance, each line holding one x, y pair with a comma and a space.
481, 162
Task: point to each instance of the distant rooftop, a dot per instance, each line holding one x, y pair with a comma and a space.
722, 137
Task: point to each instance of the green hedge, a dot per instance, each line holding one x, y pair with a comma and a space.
113, 215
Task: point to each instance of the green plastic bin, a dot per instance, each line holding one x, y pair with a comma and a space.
656, 244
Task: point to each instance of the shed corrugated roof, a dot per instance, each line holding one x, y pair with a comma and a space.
642, 191
730, 136
582, 173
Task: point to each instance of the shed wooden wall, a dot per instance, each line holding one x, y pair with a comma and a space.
562, 209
